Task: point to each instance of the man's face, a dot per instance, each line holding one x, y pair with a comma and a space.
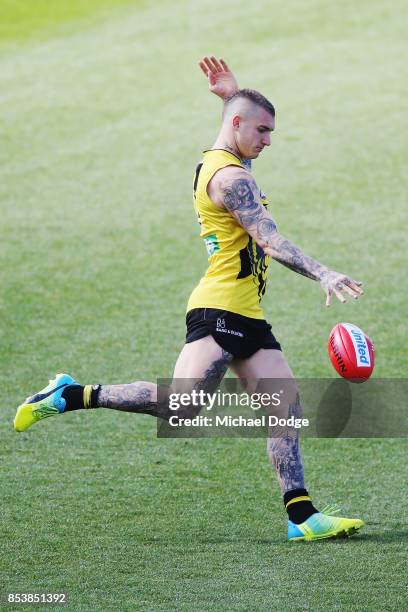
253, 132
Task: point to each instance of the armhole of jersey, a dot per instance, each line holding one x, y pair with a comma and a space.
196, 177
212, 176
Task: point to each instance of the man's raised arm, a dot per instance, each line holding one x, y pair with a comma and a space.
221, 79
234, 189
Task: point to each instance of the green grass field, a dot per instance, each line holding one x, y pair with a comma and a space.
103, 116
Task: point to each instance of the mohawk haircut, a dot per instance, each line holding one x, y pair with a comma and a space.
253, 96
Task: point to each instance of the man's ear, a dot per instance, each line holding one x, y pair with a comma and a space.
236, 121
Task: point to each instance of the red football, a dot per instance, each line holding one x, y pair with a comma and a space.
351, 352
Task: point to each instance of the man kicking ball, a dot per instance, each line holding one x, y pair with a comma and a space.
240, 236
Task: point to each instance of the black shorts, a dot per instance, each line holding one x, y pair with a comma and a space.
241, 336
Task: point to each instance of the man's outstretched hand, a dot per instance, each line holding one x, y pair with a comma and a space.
221, 79
334, 282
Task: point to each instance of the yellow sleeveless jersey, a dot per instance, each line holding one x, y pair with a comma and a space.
236, 276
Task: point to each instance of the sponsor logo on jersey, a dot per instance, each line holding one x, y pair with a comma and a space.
212, 245
360, 345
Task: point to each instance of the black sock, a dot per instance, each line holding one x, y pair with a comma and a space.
300, 509
74, 397
78, 397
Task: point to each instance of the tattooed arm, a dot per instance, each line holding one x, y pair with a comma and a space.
234, 189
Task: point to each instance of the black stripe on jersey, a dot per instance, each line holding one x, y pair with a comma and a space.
197, 174
246, 268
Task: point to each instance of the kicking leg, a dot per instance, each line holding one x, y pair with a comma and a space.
201, 365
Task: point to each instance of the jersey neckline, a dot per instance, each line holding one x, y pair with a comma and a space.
225, 150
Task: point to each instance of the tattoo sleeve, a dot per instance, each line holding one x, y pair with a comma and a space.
290, 256
241, 198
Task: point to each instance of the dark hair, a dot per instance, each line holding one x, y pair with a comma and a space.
255, 97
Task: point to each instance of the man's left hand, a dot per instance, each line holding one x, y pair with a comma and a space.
337, 283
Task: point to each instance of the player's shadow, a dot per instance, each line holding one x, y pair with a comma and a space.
215, 540
221, 539
334, 410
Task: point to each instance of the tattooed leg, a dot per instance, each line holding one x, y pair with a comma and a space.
134, 397
208, 383
142, 396
200, 365
284, 452
214, 373
267, 371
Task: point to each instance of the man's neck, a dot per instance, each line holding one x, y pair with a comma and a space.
222, 143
